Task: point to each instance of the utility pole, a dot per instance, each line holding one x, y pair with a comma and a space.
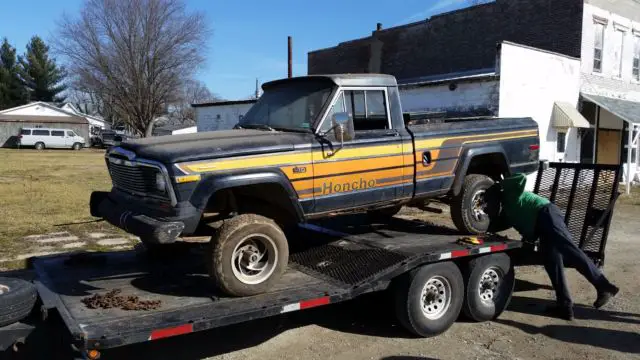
289, 56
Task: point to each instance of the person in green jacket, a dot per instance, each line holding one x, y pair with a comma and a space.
534, 217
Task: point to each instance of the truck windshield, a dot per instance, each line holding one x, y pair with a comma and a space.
288, 107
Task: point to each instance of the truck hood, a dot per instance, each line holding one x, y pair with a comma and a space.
214, 144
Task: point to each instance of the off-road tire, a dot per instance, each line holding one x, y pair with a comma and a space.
76, 146
225, 240
384, 214
473, 307
408, 292
461, 205
39, 146
17, 302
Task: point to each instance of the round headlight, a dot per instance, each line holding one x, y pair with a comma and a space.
161, 184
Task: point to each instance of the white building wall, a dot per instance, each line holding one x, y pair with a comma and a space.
467, 96
531, 80
606, 83
220, 117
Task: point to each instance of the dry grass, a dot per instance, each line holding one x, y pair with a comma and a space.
48, 191
631, 199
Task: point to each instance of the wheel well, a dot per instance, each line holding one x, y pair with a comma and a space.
493, 165
270, 200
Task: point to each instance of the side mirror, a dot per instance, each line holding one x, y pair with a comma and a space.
343, 127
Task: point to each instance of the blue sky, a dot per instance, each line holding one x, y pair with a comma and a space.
249, 38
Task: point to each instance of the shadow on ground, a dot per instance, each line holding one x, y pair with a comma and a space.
610, 339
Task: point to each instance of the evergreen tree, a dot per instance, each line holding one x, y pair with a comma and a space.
40, 74
12, 91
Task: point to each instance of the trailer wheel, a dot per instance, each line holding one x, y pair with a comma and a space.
17, 298
248, 255
489, 284
469, 209
429, 299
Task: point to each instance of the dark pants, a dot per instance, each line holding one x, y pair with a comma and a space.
557, 248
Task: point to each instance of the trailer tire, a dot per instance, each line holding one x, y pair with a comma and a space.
489, 282
466, 206
420, 294
17, 298
239, 247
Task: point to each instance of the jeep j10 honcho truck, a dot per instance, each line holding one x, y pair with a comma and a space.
311, 147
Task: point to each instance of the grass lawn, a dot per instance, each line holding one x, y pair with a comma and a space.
48, 191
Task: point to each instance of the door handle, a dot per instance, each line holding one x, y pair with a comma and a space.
426, 158
391, 133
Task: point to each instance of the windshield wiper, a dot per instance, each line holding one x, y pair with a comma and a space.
258, 126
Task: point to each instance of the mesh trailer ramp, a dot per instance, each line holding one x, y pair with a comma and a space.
337, 265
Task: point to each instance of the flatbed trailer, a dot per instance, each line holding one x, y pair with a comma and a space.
433, 275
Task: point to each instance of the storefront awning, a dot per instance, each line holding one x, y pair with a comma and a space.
565, 115
628, 111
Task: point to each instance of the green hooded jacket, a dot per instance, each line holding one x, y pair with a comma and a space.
520, 208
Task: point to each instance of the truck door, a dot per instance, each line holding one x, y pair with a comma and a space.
369, 168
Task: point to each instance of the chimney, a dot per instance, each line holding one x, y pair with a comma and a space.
378, 26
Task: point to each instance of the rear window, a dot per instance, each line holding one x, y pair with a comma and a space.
25, 132
41, 132
57, 133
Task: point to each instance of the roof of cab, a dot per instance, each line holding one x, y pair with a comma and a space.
343, 80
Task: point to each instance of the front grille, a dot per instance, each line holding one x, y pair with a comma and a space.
135, 178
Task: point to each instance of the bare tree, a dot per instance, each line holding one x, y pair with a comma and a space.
192, 92
133, 54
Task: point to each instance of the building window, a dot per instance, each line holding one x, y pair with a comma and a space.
617, 52
598, 45
625, 142
636, 58
561, 142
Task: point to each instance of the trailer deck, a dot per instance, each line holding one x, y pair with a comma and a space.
334, 264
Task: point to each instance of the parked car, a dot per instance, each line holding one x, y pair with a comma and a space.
41, 138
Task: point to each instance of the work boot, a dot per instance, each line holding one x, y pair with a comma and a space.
564, 312
605, 294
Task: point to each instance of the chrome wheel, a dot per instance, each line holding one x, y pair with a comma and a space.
4, 289
479, 206
435, 298
489, 285
254, 259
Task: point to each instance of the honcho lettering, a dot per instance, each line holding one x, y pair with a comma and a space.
361, 184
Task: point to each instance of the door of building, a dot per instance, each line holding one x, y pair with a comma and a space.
608, 146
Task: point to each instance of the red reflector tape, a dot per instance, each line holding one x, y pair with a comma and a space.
313, 303
498, 247
172, 331
459, 253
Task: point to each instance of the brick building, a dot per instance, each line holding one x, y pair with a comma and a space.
451, 63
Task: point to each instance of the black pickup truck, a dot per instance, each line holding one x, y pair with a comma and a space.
311, 147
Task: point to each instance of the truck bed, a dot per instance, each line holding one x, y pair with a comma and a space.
330, 262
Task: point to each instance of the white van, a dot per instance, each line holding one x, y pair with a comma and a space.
42, 138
